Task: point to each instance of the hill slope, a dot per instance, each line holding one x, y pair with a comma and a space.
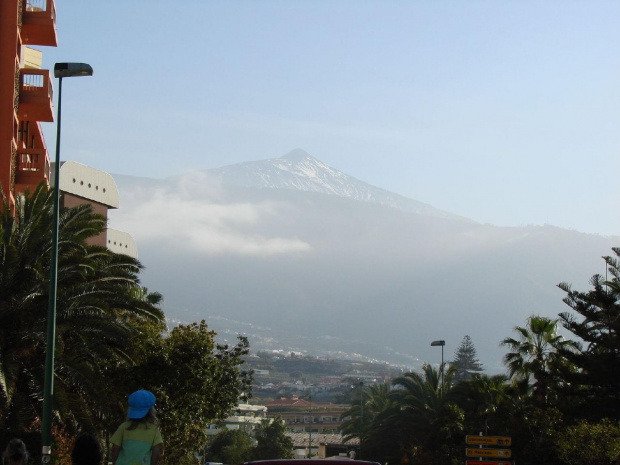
315, 269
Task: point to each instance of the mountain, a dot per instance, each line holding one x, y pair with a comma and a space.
298, 170
300, 257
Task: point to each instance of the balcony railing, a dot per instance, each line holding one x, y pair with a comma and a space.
36, 5
39, 23
33, 166
35, 95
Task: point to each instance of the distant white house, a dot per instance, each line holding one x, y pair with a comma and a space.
245, 417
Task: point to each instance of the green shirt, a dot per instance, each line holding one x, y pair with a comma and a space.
136, 444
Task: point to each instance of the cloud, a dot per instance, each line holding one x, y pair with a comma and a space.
191, 213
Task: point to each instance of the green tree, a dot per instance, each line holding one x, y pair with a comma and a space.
361, 418
540, 352
231, 447
196, 381
418, 423
485, 400
272, 442
428, 416
95, 308
589, 443
534, 428
497, 407
466, 361
593, 389
109, 333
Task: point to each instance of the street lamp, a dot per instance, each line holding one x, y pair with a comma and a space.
61, 70
310, 429
361, 418
442, 344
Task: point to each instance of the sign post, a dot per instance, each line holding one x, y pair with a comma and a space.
488, 447
486, 462
489, 440
501, 453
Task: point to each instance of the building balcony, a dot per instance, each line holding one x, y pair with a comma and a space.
30, 134
243, 419
35, 95
39, 23
33, 166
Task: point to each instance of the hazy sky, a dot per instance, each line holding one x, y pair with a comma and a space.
504, 112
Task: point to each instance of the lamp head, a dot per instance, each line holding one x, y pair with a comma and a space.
438, 343
72, 69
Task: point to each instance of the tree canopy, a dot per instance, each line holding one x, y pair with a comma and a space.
594, 385
96, 306
230, 446
272, 442
539, 352
466, 360
111, 338
196, 382
558, 401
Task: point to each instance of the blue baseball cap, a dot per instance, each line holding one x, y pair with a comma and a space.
140, 402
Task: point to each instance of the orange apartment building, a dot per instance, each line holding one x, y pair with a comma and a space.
26, 101
26, 93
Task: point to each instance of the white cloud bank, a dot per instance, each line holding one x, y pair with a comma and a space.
188, 215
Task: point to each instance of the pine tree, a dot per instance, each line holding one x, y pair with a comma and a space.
594, 386
466, 361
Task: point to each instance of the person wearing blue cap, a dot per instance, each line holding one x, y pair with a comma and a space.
138, 441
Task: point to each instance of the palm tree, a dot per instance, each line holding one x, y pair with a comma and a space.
537, 352
359, 418
423, 392
96, 307
423, 423
482, 397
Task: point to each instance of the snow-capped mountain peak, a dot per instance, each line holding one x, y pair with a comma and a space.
299, 170
297, 155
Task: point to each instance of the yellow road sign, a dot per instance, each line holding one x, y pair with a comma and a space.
486, 462
489, 440
503, 453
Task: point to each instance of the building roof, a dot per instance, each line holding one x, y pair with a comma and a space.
301, 439
88, 183
284, 402
121, 242
302, 403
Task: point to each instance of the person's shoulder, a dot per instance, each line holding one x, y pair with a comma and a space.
118, 435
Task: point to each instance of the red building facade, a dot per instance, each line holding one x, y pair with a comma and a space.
26, 93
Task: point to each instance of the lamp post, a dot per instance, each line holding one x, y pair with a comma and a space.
310, 429
361, 418
442, 344
61, 70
